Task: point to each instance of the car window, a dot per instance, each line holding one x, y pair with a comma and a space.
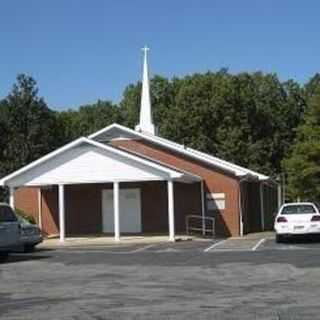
298, 209
6, 214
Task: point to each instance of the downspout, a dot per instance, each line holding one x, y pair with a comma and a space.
262, 205
245, 178
40, 208
240, 210
203, 213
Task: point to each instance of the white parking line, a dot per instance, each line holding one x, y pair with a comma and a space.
260, 242
143, 248
214, 245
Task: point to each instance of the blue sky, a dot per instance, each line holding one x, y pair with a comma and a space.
84, 50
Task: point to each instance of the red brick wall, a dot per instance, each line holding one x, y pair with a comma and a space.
26, 199
50, 211
83, 209
154, 206
187, 200
215, 180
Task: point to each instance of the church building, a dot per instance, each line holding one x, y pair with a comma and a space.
122, 181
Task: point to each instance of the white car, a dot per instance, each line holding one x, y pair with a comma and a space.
298, 218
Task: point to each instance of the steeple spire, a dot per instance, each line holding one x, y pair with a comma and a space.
145, 123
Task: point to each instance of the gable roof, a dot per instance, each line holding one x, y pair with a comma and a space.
237, 170
169, 172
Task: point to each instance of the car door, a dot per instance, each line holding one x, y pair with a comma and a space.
9, 227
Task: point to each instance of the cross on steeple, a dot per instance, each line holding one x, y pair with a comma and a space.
145, 49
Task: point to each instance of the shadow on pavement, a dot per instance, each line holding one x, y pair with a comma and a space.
21, 250
302, 239
15, 258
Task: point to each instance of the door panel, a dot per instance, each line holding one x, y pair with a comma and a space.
9, 227
129, 208
107, 211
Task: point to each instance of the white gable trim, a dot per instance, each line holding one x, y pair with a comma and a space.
224, 165
172, 174
87, 164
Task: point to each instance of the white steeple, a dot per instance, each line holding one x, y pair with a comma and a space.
145, 123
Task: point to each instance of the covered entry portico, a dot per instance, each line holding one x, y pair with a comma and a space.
125, 204
86, 162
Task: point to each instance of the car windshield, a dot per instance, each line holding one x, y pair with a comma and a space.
6, 214
298, 209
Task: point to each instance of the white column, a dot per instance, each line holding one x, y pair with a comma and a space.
171, 210
61, 212
203, 213
262, 206
39, 208
11, 197
116, 211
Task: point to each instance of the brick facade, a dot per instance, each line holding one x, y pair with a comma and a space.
215, 180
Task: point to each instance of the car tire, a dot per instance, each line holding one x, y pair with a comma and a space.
28, 248
279, 238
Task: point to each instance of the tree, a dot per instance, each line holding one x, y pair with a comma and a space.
88, 119
303, 164
31, 127
312, 86
3, 137
130, 105
248, 119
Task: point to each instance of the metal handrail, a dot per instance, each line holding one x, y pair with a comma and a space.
204, 228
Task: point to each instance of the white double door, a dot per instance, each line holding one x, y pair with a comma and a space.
129, 210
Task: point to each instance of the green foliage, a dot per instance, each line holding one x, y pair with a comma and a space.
25, 216
30, 126
303, 165
87, 119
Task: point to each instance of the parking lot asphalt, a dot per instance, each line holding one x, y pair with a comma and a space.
217, 279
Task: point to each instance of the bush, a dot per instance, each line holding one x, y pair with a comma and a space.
25, 216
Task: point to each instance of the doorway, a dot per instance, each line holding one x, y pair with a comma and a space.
129, 209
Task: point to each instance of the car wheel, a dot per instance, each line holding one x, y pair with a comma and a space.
279, 238
28, 248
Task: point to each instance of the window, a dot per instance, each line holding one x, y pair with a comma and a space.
7, 214
216, 201
298, 209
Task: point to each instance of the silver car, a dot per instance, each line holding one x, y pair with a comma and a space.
30, 235
9, 230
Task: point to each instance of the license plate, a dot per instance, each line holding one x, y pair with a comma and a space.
298, 227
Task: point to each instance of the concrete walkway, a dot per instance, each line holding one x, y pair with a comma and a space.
97, 241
